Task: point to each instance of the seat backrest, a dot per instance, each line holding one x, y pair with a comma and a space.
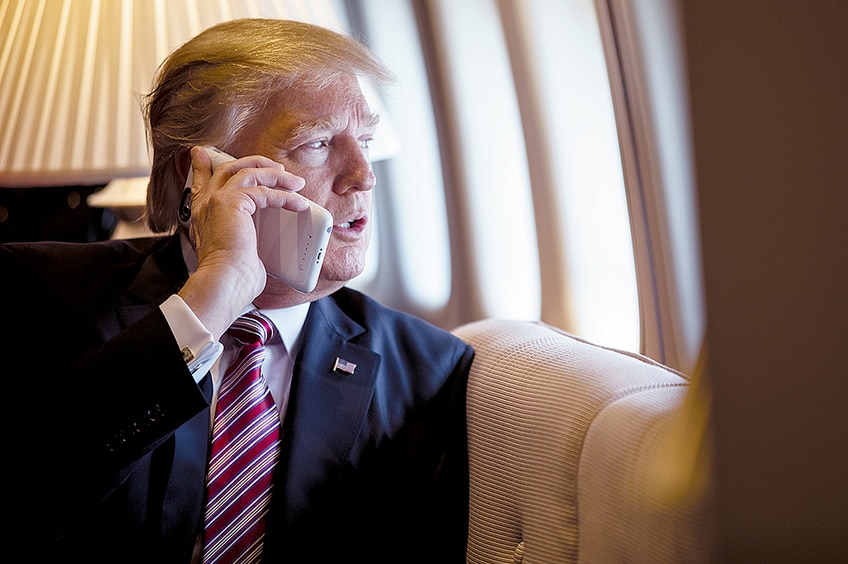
563, 440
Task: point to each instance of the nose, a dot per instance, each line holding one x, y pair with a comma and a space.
356, 172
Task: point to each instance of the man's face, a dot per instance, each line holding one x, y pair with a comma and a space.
323, 136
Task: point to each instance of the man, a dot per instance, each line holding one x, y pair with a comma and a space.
118, 340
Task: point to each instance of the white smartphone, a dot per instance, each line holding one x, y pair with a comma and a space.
291, 244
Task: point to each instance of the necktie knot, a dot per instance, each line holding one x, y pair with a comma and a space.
252, 327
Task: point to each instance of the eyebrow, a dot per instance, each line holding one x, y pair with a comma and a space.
307, 130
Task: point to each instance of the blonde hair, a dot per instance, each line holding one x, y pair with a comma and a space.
215, 85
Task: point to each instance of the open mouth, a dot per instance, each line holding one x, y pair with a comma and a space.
355, 224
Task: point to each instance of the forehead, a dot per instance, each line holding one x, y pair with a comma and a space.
338, 104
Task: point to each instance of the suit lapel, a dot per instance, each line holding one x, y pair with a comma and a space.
328, 406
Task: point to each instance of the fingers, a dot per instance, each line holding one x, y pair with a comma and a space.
246, 174
267, 187
265, 197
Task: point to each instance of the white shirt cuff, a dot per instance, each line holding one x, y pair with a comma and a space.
200, 351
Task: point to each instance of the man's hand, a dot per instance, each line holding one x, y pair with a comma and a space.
230, 274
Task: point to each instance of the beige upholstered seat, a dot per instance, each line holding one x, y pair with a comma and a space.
571, 450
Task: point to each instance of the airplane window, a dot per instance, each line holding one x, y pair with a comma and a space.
509, 171
490, 153
665, 79
574, 96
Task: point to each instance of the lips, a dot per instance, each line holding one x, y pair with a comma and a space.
353, 224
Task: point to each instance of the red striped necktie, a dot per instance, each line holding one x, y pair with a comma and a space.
245, 447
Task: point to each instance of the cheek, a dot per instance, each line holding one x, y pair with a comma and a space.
317, 187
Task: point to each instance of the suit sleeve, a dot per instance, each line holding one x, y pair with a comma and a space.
90, 397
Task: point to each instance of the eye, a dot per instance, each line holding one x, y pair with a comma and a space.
321, 144
366, 142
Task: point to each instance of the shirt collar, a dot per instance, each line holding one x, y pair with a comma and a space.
289, 323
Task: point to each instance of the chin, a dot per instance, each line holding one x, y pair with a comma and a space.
339, 277
343, 268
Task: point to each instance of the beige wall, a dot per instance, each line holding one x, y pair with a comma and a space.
769, 87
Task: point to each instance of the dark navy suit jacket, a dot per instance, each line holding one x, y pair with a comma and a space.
109, 454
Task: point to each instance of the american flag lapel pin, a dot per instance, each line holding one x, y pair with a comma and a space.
343, 365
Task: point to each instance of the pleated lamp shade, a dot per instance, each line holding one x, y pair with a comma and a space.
70, 71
